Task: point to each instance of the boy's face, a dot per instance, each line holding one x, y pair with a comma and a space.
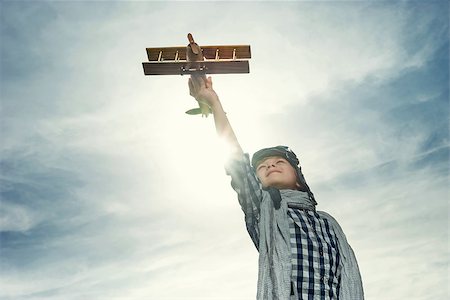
277, 172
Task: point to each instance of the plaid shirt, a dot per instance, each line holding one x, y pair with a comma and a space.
315, 256
316, 269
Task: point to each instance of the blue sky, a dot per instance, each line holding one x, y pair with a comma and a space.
109, 191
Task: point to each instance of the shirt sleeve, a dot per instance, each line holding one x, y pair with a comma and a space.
249, 190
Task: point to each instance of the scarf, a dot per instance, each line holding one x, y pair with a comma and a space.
275, 265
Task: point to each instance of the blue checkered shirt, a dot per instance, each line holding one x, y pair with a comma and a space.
316, 269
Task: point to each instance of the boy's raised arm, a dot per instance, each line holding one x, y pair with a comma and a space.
201, 89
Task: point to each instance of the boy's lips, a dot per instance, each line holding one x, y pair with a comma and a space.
272, 171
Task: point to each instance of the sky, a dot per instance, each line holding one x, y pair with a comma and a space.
110, 191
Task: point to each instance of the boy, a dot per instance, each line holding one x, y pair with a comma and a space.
303, 253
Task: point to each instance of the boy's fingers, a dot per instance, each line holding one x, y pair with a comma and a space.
191, 87
194, 83
209, 82
199, 82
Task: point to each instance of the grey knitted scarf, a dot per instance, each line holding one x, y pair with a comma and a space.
275, 265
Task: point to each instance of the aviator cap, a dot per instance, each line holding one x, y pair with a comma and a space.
289, 155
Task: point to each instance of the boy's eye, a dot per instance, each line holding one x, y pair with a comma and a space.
260, 167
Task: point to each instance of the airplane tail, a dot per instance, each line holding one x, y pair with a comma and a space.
204, 110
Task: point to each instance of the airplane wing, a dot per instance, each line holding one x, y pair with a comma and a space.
218, 60
204, 67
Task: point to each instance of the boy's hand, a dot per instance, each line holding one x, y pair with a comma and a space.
201, 88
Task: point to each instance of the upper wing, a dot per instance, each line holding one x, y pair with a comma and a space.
209, 52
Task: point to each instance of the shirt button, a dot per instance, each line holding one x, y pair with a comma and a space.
321, 252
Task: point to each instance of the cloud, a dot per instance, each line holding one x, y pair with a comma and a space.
16, 218
367, 123
109, 190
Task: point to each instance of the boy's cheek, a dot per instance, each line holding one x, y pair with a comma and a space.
263, 181
259, 176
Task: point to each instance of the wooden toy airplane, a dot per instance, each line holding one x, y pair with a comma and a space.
197, 61
217, 60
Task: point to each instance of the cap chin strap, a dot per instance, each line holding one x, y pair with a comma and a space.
303, 183
275, 196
